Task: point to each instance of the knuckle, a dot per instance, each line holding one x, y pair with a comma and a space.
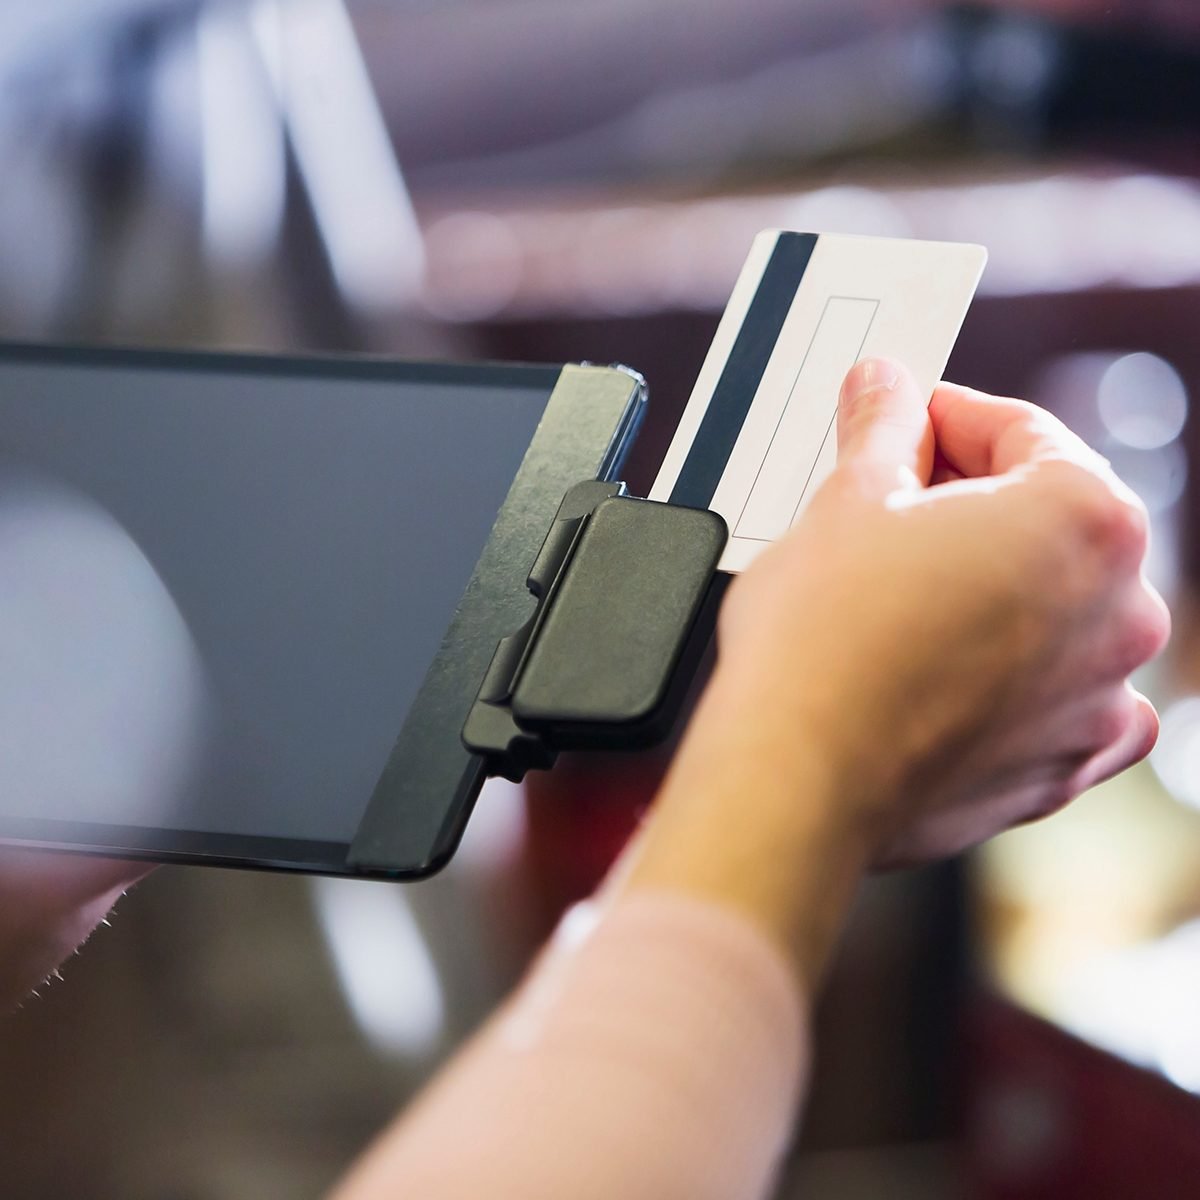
1147, 629
1128, 528
1111, 721
1107, 517
1037, 420
1054, 797
1135, 631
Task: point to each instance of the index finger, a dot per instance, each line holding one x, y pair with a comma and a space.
979, 435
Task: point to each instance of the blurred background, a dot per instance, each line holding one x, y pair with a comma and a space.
552, 180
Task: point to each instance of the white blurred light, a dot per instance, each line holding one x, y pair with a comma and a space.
386, 972
1140, 1003
496, 831
105, 705
1132, 407
1176, 756
848, 209
359, 198
1070, 232
1158, 476
1151, 225
1142, 401
1062, 233
1177, 1040
1163, 567
242, 141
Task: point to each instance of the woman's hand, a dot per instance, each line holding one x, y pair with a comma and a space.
961, 648
938, 650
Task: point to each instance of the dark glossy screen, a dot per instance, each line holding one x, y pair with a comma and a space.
221, 589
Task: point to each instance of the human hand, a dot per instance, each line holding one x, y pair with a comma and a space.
938, 650
955, 617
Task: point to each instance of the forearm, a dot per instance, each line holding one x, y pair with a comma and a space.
759, 815
664, 1053
657, 1055
934, 694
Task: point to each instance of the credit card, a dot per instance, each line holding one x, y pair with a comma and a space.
759, 433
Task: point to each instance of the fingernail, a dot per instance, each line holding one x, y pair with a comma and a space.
870, 375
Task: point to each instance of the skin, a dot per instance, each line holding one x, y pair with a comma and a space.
945, 641
49, 905
939, 650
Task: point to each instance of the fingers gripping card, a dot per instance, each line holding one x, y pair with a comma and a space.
759, 434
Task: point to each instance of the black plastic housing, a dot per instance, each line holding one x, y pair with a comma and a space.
627, 596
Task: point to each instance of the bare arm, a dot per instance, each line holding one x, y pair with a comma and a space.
938, 651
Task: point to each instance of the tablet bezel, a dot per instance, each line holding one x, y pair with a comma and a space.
419, 807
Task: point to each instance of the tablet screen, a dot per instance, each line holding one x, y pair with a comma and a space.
222, 587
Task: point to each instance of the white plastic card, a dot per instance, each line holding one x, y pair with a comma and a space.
758, 435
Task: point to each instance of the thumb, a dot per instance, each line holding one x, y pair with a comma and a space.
884, 430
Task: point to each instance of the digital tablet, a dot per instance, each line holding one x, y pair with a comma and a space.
247, 602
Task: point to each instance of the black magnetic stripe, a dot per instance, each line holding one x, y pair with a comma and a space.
734, 393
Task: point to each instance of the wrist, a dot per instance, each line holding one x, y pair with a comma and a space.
811, 734
761, 814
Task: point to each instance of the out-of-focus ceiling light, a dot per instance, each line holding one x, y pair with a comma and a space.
1140, 1003
1176, 757
345, 157
1142, 401
1158, 476
382, 963
242, 141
